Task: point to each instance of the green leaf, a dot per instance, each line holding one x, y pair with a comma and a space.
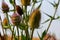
22, 26
32, 6
38, 35
44, 33
23, 37
16, 38
48, 15
34, 0
11, 1
52, 4
46, 21
57, 17
40, 4
11, 10
52, 18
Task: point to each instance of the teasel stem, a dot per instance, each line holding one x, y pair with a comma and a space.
21, 35
12, 33
13, 26
52, 19
8, 21
27, 33
1, 24
32, 33
14, 6
26, 30
18, 32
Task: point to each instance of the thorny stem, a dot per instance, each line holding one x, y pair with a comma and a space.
18, 32
8, 23
32, 33
12, 33
14, 6
26, 31
51, 19
13, 26
1, 24
53, 15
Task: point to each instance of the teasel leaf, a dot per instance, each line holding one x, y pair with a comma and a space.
12, 2
52, 4
38, 35
52, 18
46, 21
40, 4
57, 18
44, 33
22, 26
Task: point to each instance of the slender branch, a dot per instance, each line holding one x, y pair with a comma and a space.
1, 24
18, 32
51, 19
14, 6
32, 33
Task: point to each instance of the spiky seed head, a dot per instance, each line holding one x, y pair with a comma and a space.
15, 18
5, 7
25, 2
34, 19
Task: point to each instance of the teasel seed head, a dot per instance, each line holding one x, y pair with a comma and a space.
5, 22
5, 7
34, 19
15, 18
25, 2
19, 10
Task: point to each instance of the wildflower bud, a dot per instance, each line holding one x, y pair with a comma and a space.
25, 2
5, 22
34, 19
5, 7
19, 10
15, 19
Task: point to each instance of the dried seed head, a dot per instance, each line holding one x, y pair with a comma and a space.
15, 18
5, 7
5, 22
19, 10
25, 2
34, 19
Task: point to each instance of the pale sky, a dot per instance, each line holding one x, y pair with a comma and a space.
49, 9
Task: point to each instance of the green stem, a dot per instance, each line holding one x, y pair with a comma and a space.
1, 24
22, 35
51, 20
12, 34
32, 33
18, 32
49, 25
25, 11
27, 33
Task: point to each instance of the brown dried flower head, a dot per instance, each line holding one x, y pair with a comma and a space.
15, 18
5, 7
19, 10
34, 19
5, 22
25, 2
